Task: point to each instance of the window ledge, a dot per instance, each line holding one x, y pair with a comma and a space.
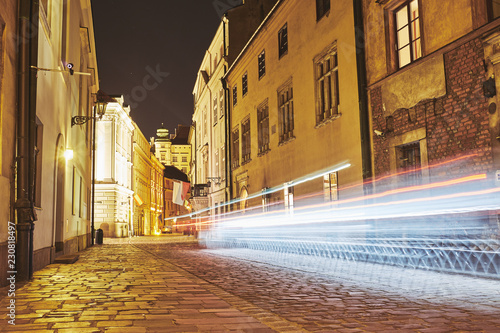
246, 161
262, 153
284, 142
328, 120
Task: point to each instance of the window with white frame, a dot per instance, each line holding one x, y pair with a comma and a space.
235, 149
215, 107
408, 46
221, 102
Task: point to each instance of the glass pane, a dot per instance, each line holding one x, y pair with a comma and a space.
403, 37
415, 29
404, 56
413, 10
417, 50
402, 17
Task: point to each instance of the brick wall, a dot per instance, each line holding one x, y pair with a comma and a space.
456, 124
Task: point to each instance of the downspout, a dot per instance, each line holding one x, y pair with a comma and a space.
28, 54
227, 118
362, 95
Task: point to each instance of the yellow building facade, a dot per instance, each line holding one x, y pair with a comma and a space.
141, 183
293, 95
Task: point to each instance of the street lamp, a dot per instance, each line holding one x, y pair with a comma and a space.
102, 100
99, 109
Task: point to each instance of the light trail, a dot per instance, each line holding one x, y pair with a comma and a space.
444, 225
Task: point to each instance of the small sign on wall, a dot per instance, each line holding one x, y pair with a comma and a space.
497, 177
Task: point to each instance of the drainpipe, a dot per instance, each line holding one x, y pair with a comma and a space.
362, 94
227, 119
26, 122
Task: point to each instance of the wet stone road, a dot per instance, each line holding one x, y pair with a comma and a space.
171, 284
367, 298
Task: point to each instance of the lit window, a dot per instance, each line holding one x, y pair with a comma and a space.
408, 33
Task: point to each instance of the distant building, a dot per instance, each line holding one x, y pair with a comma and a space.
173, 149
172, 210
141, 181
210, 176
157, 196
114, 194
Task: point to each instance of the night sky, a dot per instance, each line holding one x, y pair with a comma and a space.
150, 52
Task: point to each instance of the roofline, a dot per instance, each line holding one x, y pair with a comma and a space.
250, 41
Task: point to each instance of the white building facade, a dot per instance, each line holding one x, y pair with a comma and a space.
113, 188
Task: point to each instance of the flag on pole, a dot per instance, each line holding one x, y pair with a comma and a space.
180, 192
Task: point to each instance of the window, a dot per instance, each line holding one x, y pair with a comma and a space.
285, 104
283, 41
263, 126
408, 41
408, 157
245, 140
216, 159
288, 196
174, 159
235, 95
262, 64
215, 108
235, 149
222, 163
244, 84
322, 7
330, 187
184, 159
493, 9
327, 87
205, 122
221, 102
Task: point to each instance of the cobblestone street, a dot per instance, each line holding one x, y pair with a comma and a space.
170, 284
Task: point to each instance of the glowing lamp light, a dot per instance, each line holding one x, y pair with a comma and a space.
68, 154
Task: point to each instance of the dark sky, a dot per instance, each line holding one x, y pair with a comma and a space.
150, 52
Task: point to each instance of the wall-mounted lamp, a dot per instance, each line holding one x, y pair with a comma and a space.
68, 154
102, 100
379, 133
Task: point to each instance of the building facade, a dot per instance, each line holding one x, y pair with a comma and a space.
209, 139
157, 199
295, 107
113, 188
431, 84
173, 149
8, 89
141, 183
62, 184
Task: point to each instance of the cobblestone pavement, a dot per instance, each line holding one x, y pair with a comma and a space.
121, 288
370, 302
170, 284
